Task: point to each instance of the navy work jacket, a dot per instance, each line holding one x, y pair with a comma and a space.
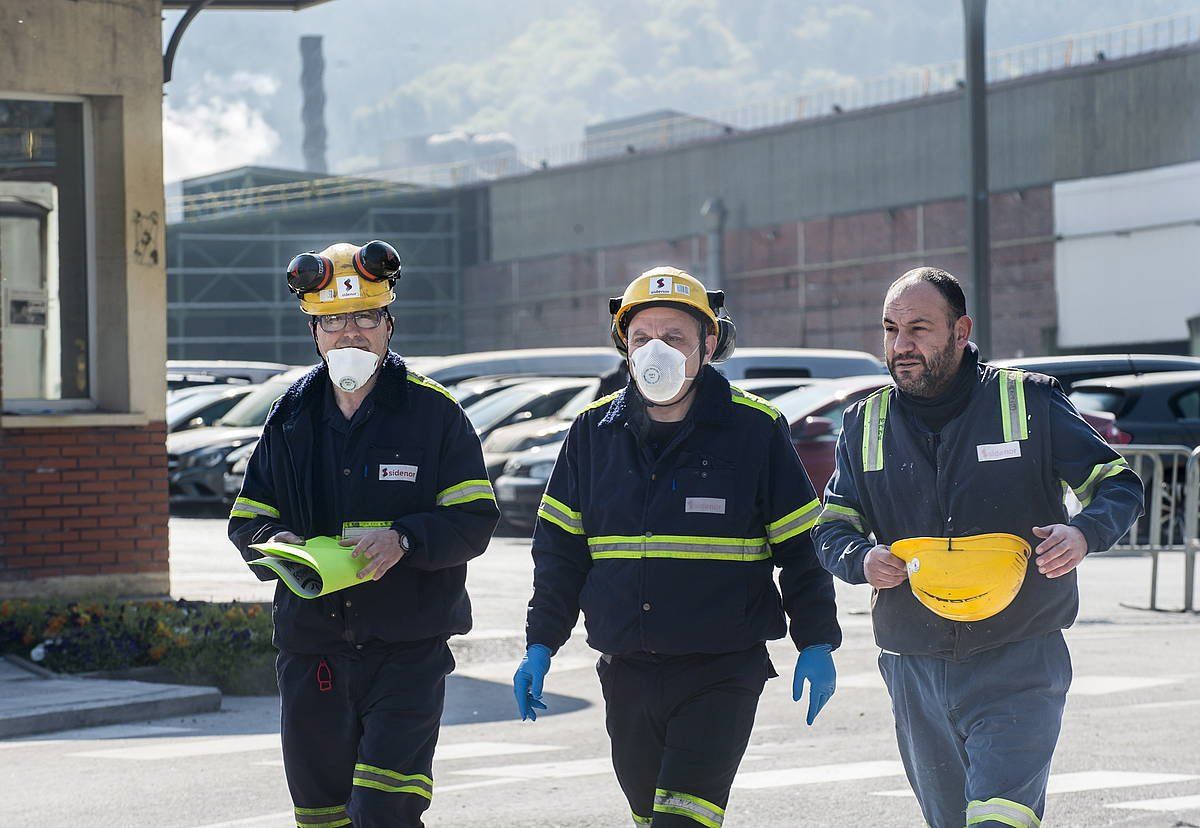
409, 460
674, 553
1003, 464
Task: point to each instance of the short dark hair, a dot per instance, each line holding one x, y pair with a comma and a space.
945, 283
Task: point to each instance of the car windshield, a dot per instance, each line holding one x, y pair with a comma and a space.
494, 408
252, 411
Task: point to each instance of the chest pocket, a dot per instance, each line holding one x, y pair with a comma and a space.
705, 489
397, 482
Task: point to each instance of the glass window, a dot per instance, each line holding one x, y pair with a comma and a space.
44, 303
1108, 400
1187, 405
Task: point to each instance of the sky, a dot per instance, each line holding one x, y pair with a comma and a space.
539, 71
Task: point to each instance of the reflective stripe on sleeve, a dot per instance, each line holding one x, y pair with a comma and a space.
833, 511
1086, 490
794, 523
244, 507
557, 512
466, 492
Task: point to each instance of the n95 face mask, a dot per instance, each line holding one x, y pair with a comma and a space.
658, 370
350, 368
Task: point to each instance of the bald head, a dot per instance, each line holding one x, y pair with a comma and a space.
934, 278
925, 330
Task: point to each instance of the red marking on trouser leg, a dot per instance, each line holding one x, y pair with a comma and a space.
324, 677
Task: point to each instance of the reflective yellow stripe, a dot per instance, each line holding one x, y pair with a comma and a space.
1004, 811
874, 422
682, 547
600, 402
794, 523
1012, 404
332, 817
833, 511
1100, 473
640, 820
693, 807
557, 513
245, 507
466, 492
420, 379
754, 401
381, 779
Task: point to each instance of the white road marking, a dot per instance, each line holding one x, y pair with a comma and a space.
1174, 803
1089, 781
466, 750
871, 680
544, 770
1103, 685
503, 670
817, 774
184, 748
107, 733
285, 817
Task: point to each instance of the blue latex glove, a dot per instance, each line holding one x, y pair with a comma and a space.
815, 664
527, 682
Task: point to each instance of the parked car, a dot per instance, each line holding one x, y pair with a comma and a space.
759, 363
1161, 409
469, 392
774, 387
235, 469
203, 406
522, 481
196, 459
542, 362
1070, 370
528, 401
186, 373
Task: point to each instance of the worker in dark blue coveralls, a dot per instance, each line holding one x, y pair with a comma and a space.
670, 506
366, 450
957, 448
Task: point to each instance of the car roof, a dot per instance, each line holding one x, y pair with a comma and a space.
1166, 378
1084, 361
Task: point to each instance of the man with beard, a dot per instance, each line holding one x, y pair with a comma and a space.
366, 450
954, 449
672, 503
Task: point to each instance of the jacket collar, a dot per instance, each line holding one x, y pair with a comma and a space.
712, 404
307, 393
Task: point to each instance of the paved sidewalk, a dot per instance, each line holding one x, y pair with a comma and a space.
33, 700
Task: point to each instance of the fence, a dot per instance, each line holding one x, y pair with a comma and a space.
1171, 477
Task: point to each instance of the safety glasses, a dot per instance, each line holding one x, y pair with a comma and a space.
363, 320
375, 261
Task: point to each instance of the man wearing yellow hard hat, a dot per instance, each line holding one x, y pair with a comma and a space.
672, 502
948, 498
364, 450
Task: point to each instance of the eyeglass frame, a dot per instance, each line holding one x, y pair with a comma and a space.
379, 314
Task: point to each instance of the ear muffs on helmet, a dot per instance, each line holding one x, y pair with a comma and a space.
726, 331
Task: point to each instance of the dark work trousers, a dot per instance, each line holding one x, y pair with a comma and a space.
679, 726
359, 732
977, 736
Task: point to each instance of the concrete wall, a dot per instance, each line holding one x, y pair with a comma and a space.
84, 495
1100, 119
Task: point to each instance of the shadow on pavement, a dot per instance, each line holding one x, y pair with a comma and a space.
472, 700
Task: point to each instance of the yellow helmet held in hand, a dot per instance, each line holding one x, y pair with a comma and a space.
965, 579
344, 278
672, 286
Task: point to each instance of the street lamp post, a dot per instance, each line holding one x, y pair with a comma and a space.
978, 241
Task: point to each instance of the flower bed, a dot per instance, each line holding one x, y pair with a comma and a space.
191, 642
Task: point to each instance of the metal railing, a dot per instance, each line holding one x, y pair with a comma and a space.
907, 84
1171, 479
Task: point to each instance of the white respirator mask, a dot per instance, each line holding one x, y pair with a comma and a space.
350, 368
658, 370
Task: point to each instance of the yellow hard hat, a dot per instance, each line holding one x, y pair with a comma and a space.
965, 579
344, 278
663, 285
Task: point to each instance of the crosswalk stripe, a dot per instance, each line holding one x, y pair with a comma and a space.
1089, 781
544, 770
108, 733
1173, 803
1103, 685
467, 750
816, 774
184, 748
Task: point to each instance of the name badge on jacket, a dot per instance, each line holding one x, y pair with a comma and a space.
707, 505
392, 471
998, 451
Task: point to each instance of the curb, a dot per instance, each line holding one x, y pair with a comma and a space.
57, 702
